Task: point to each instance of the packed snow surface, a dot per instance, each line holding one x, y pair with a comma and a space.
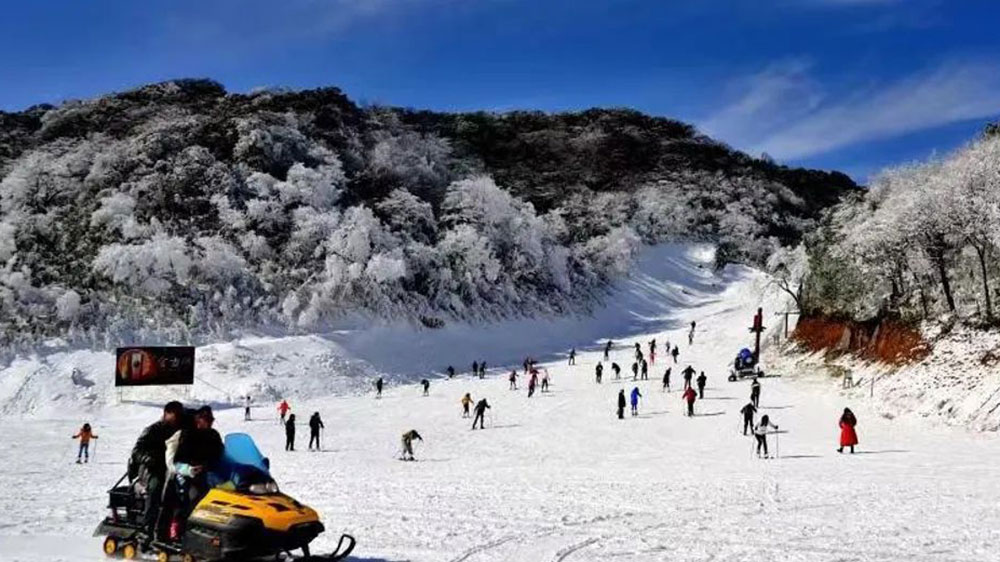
555, 477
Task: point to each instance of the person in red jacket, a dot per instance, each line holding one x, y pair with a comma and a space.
689, 396
848, 436
283, 410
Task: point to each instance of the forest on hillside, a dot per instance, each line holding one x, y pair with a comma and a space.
177, 211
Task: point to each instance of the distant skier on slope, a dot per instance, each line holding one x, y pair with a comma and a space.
635, 401
407, 441
572, 356
652, 351
475, 368
688, 372
451, 371
378, 387
315, 425
426, 384
761, 431
848, 435
617, 370
599, 370
621, 404
482, 369
748, 412
607, 350
666, 380
545, 380
481, 408
644, 370
290, 433
635, 370
283, 408
532, 382
701, 380
466, 402
691, 334
689, 396
675, 352
84, 435
513, 379
246, 407
755, 393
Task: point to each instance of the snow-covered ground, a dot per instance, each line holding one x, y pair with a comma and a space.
555, 477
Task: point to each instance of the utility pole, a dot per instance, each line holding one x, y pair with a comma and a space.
757, 329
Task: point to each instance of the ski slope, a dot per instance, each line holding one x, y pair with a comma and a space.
558, 477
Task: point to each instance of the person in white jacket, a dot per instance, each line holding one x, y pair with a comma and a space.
760, 432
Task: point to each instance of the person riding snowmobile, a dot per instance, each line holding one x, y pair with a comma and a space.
147, 467
199, 449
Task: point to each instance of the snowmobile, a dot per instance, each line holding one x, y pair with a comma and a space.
243, 517
745, 365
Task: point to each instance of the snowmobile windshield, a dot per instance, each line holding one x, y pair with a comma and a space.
243, 466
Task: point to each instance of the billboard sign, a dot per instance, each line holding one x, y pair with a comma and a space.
148, 366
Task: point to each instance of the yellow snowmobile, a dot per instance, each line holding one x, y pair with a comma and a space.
243, 517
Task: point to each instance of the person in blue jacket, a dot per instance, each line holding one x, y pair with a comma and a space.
635, 401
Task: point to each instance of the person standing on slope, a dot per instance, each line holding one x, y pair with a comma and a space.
848, 435
246, 407
701, 380
755, 393
748, 412
688, 372
635, 370
675, 352
621, 404
481, 408
407, 441
475, 368
513, 379
451, 371
644, 370
532, 382
599, 370
315, 425
426, 384
689, 396
760, 433
617, 370
482, 370
378, 387
84, 435
572, 356
466, 402
545, 380
284, 407
652, 351
691, 334
635, 401
607, 350
666, 380
290, 433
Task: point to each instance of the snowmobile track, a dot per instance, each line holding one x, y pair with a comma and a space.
569, 550
482, 548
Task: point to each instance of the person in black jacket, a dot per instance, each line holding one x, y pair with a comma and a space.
621, 404
290, 433
599, 370
147, 468
315, 424
688, 372
701, 380
481, 407
748, 412
200, 448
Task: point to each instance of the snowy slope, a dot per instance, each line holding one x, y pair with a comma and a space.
558, 478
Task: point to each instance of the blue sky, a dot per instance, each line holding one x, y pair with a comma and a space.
853, 85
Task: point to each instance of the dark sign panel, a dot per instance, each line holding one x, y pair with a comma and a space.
144, 366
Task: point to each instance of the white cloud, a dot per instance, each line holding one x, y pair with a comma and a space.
788, 115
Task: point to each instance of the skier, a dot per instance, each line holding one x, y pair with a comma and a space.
675, 352
701, 380
147, 465
638, 349
532, 382
450, 371
84, 435
652, 351
635, 370
246, 407
408, 438
481, 408
315, 425
607, 350
572, 356
638, 355
748, 412
666, 380
635, 401
199, 449
644, 369
545, 380
599, 371
475, 368
760, 432
755, 393
689, 397
513, 379
466, 402
378, 387
688, 372
283, 409
848, 435
621, 404
617, 370
426, 384
482, 369
691, 334
290, 433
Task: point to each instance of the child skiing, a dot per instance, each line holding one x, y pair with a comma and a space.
407, 441
315, 425
635, 401
481, 408
701, 380
466, 402
761, 431
85, 435
689, 396
848, 435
